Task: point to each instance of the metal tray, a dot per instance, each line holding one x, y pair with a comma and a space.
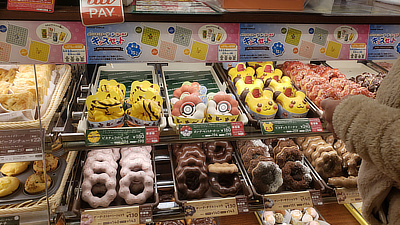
209, 195
174, 74
20, 196
314, 112
153, 201
316, 182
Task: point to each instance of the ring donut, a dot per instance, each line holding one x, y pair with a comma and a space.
253, 153
177, 149
296, 176
192, 182
267, 177
136, 177
282, 144
86, 219
113, 151
312, 146
101, 157
186, 89
137, 165
225, 184
192, 150
254, 163
219, 151
288, 154
190, 161
98, 167
94, 201
329, 164
320, 149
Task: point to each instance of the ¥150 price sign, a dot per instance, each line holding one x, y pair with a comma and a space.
122, 215
209, 130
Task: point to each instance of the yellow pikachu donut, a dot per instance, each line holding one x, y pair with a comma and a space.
291, 107
284, 85
247, 83
260, 103
267, 71
240, 70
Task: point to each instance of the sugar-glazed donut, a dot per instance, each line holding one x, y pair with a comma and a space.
307, 141
225, 184
267, 177
347, 182
192, 182
109, 182
288, 154
320, 149
98, 167
351, 162
296, 176
219, 151
312, 146
134, 177
137, 165
329, 164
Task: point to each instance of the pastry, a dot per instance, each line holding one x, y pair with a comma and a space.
51, 163
8, 185
36, 183
14, 168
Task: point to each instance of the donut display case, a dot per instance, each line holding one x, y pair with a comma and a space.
140, 99
196, 95
275, 166
206, 171
265, 93
117, 177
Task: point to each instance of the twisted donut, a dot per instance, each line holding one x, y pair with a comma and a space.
330, 139
288, 154
219, 151
225, 184
109, 182
135, 177
329, 164
267, 177
192, 182
347, 182
222, 168
296, 176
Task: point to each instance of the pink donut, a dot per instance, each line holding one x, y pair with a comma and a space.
127, 160
136, 150
135, 177
137, 165
86, 219
109, 182
101, 157
114, 152
99, 167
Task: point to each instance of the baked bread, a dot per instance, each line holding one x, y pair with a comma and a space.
17, 101
14, 168
8, 185
51, 163
35, 183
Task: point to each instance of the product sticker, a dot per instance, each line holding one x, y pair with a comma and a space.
215, 208
347, 195
290, 200
120, 215
207, 130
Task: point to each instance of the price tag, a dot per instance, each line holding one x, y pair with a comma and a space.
208, 130
347, 195
288, 200
123, 215
20, 145
9, 220
298, 125
31, 5
215, 208
120, 136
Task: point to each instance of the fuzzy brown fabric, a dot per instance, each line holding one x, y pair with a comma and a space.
371, 128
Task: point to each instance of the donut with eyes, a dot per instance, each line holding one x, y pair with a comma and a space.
284, 85
260, 103
292, 107
240, 71
267, 71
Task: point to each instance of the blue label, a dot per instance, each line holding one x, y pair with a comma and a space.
3, 28
278, 48
171, 30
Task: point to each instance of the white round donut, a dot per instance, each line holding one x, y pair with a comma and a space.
109, 182
126, 181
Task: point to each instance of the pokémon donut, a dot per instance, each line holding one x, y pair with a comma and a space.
291, 107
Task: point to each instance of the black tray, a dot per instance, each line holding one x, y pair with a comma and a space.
20, 195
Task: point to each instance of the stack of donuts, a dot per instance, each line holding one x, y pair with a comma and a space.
370, 81
320, 82
331, 160
191, 170
223, 177
100, 177
265, 174
296, 176
137, 177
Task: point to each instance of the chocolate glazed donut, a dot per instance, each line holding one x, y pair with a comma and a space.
191, 150
225, 184
192, 182
219, 151
192, 162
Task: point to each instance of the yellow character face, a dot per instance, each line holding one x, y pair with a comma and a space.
269, 127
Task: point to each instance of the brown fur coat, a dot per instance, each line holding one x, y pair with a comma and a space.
371, 128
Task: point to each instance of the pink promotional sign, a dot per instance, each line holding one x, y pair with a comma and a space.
42, 42
31, 5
